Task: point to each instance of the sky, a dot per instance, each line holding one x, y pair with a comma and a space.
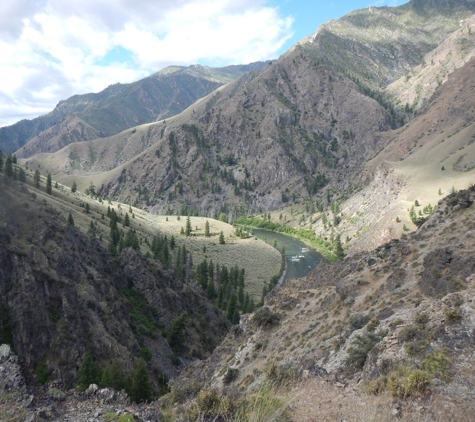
53, 49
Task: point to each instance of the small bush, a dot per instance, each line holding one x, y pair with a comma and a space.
358, 320
437, 364
283, 372
404, 382
361, 346
146, 354
452, 316
371, 326
415, 339
409, 333
264, 317
422, 318
212, 405
396, 322
231, 375
43, 374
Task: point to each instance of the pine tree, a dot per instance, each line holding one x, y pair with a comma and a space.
70, 219
221, 238
89, 372
126, 220
188, 227
36, 178
339, 252
176, 336
48, 184
232, 312
92, 189
206, 228
1, 161
9, 166
22, 175
74, 187
141, 386
113, 376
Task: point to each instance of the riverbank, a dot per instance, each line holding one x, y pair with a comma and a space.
325, 248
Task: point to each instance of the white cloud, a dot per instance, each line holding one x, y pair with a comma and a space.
52, 49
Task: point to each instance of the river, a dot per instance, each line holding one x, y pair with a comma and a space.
300, 258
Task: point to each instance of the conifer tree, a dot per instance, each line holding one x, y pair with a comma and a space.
9, 166
141, 386
206, 228
70, 219
113, 376
126, 220
172, 242
176, 336
339, 252
1, 161
48, 184
188, 227
36, 178
89, 372
22, 175
74, 187
232, 312
221, 238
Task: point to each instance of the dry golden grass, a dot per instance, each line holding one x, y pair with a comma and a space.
259, 260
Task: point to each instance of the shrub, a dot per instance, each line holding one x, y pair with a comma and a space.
452, 316
361, 346
358, 320
146, 354
437, 364
43, 374
415, 339
396, 322
264, 317
230, 376
212, 405
422, 318
404, 382
282, 373
371, 326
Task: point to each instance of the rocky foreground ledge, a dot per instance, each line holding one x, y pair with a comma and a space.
21, 401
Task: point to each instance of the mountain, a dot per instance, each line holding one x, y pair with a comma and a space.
118, 107
300, 130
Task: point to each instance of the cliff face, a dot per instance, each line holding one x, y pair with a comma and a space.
63, 295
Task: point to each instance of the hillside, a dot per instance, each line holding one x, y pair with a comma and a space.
64, 295
385, 334
118, 107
